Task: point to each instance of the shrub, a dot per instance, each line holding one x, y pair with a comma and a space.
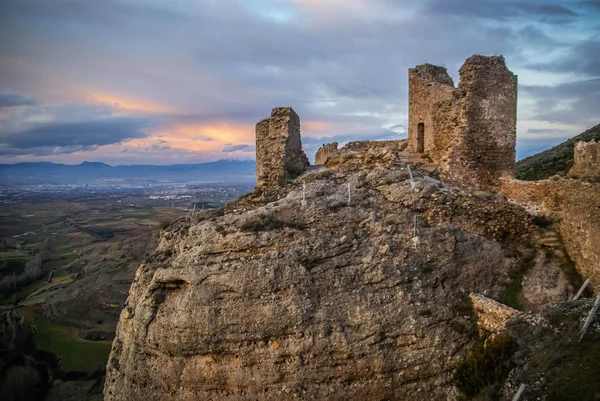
267, 222
485, 365
164, 223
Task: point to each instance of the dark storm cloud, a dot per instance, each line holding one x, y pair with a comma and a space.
381, 134
46, 151
555, 132
499, 9
591, 3
583, 57
571, 103
87, 133
9, 99
230, 61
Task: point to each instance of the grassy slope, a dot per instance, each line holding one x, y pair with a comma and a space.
557, 160
76, 354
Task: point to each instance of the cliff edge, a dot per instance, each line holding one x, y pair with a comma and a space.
328, 293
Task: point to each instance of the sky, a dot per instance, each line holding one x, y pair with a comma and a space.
185, 81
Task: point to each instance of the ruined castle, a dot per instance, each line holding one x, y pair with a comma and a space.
467, 135
351, 280
469, 131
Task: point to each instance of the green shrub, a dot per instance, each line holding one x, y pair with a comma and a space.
485, 365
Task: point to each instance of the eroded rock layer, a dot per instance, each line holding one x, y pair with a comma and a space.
342, 298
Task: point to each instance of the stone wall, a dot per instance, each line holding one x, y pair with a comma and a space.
575, 204
469, 131
492, 316
324, 152
429, 86
279, 154
586, 161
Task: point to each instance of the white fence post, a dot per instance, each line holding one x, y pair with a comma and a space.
412, 181
348, 193
519, 392
585, 284
590, 317
415, 225
303, 194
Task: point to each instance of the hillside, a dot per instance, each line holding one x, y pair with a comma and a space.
557, 160
337, 297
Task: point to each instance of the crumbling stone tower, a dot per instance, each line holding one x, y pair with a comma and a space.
469, 131
279, 154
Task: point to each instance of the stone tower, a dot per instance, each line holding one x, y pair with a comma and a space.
279, 154
469, 131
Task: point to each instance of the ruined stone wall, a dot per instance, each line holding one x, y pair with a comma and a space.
492, 316
263, 154
428, 87
586, 161
279, 154
324, 153
576, 205
485, 146
469, 131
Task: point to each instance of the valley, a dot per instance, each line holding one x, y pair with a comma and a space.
67, 260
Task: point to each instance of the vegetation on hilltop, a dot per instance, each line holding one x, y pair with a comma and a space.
557, 160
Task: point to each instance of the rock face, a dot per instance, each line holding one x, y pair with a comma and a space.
337, 299
575, 204
324, 153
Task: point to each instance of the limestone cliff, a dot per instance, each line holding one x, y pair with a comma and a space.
338, 297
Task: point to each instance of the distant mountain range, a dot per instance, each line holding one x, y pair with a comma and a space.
89, 172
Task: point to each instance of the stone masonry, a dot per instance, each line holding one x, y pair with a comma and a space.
279, 154
468, 131
586, 160
428, 86
575, 205
324, 153
492, 316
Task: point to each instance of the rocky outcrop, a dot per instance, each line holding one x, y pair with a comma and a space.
549, 358
492, 316
586, 160
324, 153
342, 298
575, 205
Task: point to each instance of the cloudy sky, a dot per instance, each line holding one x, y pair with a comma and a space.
185, 81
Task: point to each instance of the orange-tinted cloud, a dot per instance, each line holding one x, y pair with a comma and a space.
198, 137
128, 103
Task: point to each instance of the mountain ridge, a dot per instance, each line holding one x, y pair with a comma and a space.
556, 160
55, 173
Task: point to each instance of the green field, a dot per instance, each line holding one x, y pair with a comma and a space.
16, 254
75, 353
23, 292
